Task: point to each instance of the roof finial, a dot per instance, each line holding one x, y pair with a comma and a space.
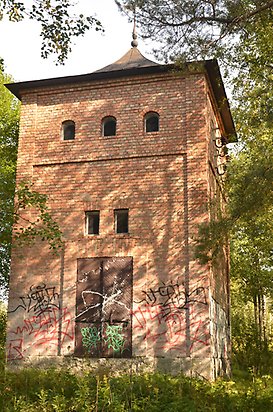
134, 43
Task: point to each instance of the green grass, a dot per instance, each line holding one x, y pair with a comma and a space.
61, 391
54, 390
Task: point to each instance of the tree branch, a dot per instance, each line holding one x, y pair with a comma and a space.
195, 20
254, 12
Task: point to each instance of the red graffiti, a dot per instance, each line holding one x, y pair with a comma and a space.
15, 349
44, 329
166, 327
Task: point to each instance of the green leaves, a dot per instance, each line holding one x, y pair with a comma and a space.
27, 230
59, 25
9, 126
196, 29
12, 213
59, 390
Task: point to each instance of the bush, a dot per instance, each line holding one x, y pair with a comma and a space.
60, 391
52, 390
248, 351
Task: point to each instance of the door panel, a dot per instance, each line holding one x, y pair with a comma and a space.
117, 288
104, 303
88, 339
89, 288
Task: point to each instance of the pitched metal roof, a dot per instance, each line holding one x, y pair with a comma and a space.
132, 59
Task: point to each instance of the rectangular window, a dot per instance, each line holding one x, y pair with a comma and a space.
121, 220
92, 222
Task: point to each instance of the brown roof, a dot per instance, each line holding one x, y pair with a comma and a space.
132, 59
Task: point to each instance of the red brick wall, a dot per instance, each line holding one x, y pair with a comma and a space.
162, 177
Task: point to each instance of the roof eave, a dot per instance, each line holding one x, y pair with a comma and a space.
19, 88
211, 68
215, 79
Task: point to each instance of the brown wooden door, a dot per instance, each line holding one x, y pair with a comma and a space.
103, 307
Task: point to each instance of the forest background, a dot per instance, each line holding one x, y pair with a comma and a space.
240, 35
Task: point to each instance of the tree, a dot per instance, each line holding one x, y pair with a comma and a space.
12, 211
196, 28
58, 23
251, 180
9, 125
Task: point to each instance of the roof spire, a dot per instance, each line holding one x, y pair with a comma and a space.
134, 43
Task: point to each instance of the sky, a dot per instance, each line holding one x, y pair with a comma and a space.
20, 45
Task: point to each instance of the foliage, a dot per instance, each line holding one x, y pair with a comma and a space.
249, 214
44, 226
9, 128
198, 28
249, 187
248, 352
59, 25
11, 212
26, 231
249, 211
59, 390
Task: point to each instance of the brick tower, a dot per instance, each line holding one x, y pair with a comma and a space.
129, 156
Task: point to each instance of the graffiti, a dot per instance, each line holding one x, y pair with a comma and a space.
39, 299
219, 338
162, 316
43, 326
171, 297
168, 331
90, 337
44, 329
114, 338
15, 349
106, 300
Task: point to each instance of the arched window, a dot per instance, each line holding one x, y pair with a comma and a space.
151, 122
68, 130
109, 125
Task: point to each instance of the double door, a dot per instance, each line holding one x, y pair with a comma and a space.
103, 307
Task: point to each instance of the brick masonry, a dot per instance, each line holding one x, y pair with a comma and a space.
180, 309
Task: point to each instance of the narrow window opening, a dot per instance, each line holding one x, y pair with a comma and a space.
68, 130
151, 122
121, 221
92, 222
109, 125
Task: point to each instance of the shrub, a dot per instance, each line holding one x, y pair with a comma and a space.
60, 391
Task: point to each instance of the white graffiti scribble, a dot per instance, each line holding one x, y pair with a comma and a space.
106, 300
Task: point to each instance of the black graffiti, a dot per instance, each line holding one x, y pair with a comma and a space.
173, 295
39, 299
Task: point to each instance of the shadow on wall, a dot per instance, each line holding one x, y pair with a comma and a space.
170, 297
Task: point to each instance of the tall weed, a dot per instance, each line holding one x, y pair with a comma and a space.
61, 391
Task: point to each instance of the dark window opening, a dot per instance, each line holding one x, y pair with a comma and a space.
151, 122
68, 130
109, 125
121, 221
92, 222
